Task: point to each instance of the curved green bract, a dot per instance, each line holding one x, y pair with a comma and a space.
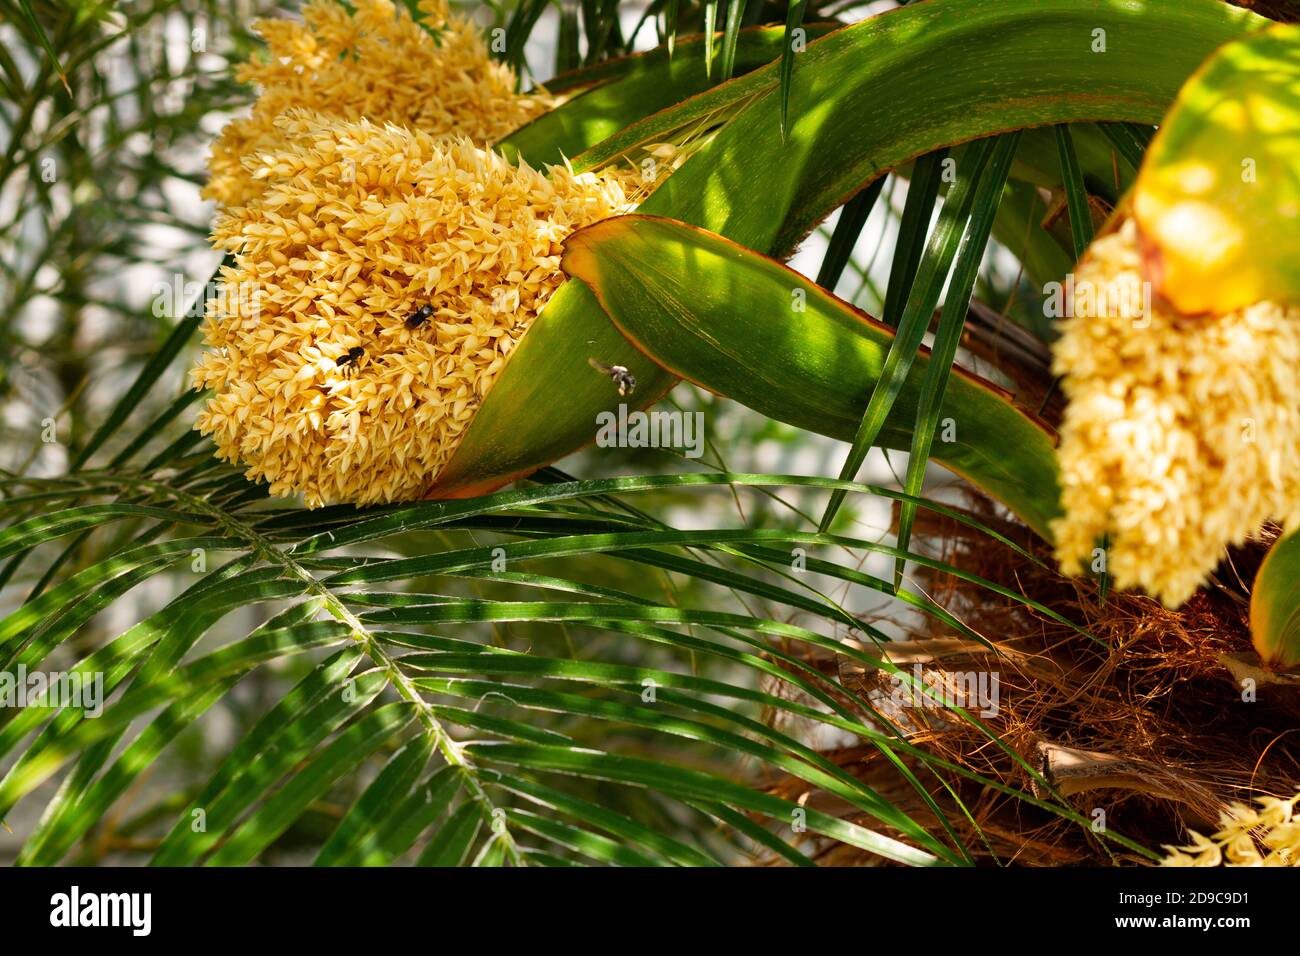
747, 327
1275, 605
624, 91
863, 100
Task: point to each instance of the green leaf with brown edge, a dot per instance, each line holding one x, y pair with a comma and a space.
1275, 605
721, 316
868, 96
1218, 199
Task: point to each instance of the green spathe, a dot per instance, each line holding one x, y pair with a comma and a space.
714, 313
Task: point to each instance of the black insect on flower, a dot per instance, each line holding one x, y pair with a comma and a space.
619, 374
419, 316
351, 357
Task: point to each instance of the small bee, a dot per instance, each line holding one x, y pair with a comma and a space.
419, 317
351, 357
621, 377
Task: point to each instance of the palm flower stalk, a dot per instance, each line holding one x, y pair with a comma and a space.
381, 279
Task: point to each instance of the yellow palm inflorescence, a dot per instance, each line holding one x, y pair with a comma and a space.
381, 279
377, 64
1182, 433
